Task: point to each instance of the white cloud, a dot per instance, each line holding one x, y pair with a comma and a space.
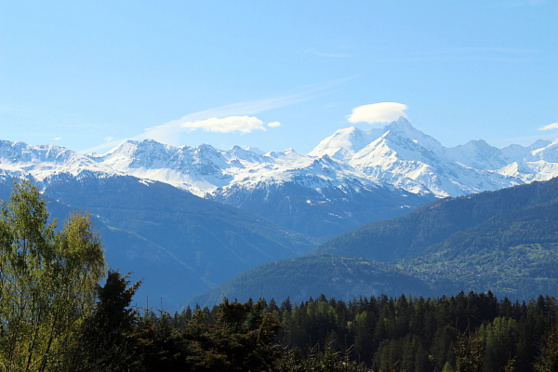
171, 132
242, 124
217, 119
550, 126
274, 124
58, 138
109, 139
383, 112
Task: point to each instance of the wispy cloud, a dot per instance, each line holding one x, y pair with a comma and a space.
227, 118
552, 126
519, 3
495, 50
490, 54
319, 53
237, 117
383, 112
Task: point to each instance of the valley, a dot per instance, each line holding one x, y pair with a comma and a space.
186, 220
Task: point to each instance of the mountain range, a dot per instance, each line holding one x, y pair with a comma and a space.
350, 178
187, 219
505, 241
176, 243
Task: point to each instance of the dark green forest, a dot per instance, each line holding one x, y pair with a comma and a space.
466, 332
312, 275
55, 316
451, 220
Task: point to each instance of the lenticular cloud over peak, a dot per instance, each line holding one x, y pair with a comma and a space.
383, 112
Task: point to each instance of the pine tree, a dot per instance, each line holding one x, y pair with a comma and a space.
106, 342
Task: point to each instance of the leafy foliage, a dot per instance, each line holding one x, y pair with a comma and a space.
47, 281
548, 356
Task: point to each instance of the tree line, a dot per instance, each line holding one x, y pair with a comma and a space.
54, 316
466, 332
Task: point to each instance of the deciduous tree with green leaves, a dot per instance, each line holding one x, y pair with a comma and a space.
47, 281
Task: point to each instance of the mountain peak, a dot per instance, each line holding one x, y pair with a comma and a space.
345, 142
539, 144
403, 128
400, 124
255, 150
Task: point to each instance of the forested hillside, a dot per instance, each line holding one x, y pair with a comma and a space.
413, 234
505, 241
515, 254
309, 276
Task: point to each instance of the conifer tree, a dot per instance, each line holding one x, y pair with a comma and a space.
106, 342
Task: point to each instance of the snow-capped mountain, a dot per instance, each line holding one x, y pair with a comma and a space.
147, 198
402, 156
348, 179
43, 161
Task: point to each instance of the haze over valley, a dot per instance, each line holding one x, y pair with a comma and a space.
174, 215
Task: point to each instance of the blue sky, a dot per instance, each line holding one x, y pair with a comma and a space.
274, 74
